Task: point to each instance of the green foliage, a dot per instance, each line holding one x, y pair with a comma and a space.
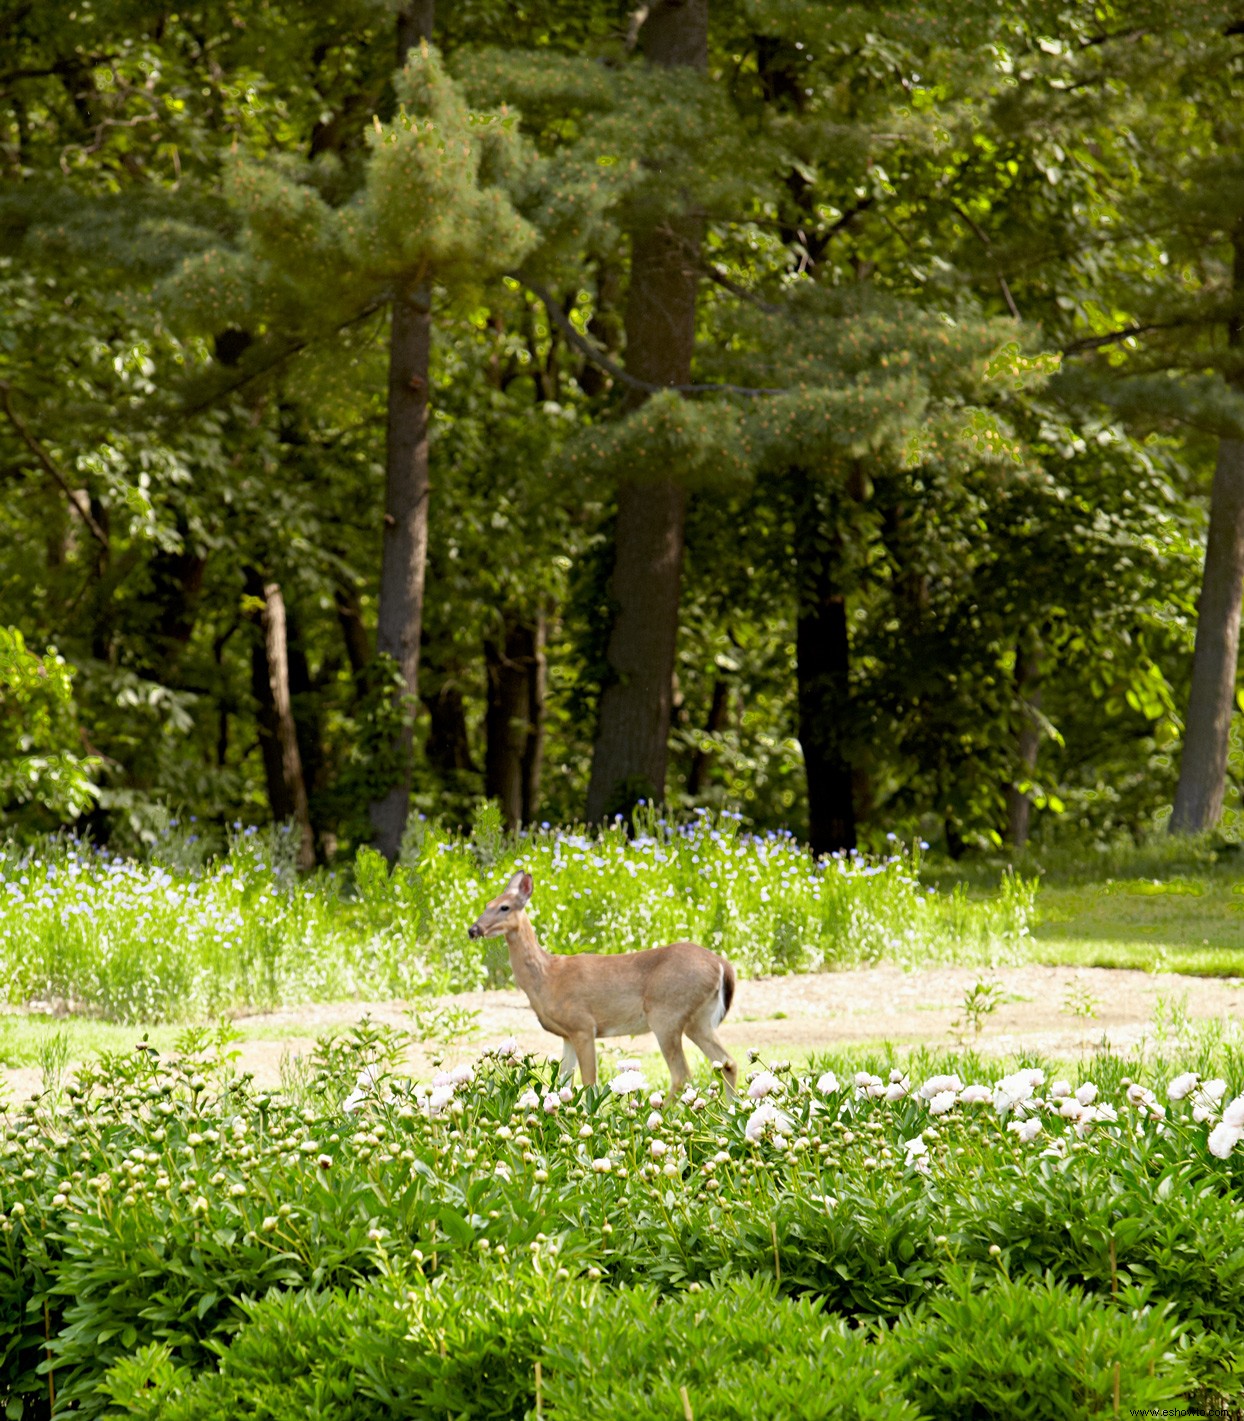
173, 1243
39, 735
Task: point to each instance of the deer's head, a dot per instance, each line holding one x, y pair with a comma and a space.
498, 915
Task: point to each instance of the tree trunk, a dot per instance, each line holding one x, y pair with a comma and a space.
353, 634
1215, 657
718, 717
448, 745
513, 721
632, 738
405, 550
1211, 699
1028, 693
278, 735
823, 664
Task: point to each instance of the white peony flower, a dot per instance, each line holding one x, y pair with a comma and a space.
1233, 1115
508, 1046
1059, 1089
552, 1103
976, 1095
1182, 1086
529, 1100
896, 1091
764, 1116
628, 1082
655, 1119
1086, 1094
828, 1083
764, 1084
937, 1085
1026, 1130
942, 1102
1071, 1109
1223, 1138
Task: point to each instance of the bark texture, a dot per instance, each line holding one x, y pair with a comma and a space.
405, 549
278, 734
514, 719
1028, 693
631, 752
823, 664
1211, 699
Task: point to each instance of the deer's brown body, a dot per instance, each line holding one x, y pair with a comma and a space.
679, 990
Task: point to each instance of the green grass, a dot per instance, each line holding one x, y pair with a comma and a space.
1192, 925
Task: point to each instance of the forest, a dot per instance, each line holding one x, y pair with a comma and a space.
828, 413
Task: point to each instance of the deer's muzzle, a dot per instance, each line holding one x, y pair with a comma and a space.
475, 930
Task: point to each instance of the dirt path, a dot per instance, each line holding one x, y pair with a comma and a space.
789, 1015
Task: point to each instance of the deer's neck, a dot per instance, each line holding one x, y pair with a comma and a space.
528, 959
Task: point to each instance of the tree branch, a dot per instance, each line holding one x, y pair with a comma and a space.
80, 506
592, 352
1078, 347
983, 237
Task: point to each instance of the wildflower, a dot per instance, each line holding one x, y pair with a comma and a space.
552, 1103
602, 1165
508, 1047
566, 1095
657, 1148
628, 1082
462, 1075
654, 1119
764, 1083
1182, 1085
1086, 1094
942, 1102
439, 1099
1071, 1109
529, 1100
828, 1083
1060, 1089
1233, 1115
976, 1095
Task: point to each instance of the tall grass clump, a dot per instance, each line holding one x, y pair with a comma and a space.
180, 936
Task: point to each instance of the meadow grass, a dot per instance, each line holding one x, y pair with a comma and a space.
180, 938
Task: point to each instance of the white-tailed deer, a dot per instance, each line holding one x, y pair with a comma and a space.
675, 991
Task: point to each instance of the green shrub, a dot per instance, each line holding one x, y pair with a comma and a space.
1037, 1350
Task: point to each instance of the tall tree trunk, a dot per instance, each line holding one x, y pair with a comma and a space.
1211, 699
513, 721
1028, 693
353, 634
533, 752
278, 735
405, 550
823, 665
1215, 657
632, 738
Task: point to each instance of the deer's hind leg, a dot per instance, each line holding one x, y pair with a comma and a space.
569, 1061
669, 1031
707, 1040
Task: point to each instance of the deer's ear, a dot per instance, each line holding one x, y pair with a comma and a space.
523, 885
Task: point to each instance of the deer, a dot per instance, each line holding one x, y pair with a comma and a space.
678, 990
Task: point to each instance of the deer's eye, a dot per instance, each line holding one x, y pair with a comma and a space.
505, 908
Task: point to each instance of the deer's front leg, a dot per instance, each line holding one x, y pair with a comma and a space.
583, 1045
569, 1061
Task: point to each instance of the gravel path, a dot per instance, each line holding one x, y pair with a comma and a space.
780, 1015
